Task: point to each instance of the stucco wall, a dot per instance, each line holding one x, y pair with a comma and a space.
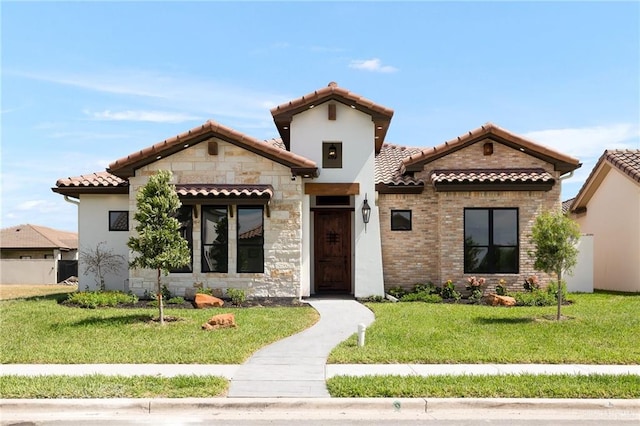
613, 217
282, 231
28, 271
434, 249
93, 228
355, 130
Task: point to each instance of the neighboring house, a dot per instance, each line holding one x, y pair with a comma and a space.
608, 206
329, 207
31, 254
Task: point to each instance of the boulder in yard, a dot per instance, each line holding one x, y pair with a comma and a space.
497, 300
203, 301
220, 321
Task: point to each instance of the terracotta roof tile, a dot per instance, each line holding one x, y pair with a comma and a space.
562, 162
255, 232
625, 160
491, 175
34, 236
125, 167
387, 165
566, 205
93, 180
224, 191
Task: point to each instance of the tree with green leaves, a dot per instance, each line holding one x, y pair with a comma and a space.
554, 236
158, 241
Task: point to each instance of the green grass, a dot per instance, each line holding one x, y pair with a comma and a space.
40, 331
505, 386
99, 386
601, 329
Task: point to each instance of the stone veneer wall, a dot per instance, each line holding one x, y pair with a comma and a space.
434, 249
282, 231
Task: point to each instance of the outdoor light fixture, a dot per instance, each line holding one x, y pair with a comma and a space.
333, 152
366, 212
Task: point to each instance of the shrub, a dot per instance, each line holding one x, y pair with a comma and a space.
175, 301
397, 292
428, 287
448, 291
531, 283
236, 295
205, 290
475, 286
422, 296
534, 298
501, 288
95, 299
166, 294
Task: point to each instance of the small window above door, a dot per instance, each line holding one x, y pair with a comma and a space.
332, 155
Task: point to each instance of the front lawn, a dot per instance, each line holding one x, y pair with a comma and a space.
41, 331
602, 328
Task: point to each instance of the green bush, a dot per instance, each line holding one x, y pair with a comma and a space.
448, 291
95, 299
166, 294
427, 287
534, 298
421, 296
204, 290
236, 295
397, 292
175, 301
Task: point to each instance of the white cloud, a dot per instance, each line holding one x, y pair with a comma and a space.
587, 144
373, 65
150, 116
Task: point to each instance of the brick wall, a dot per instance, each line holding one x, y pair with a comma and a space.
282, 230
434, 249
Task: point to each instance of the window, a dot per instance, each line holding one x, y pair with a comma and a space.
491, 241
401, 220
118, 220
332, 155
215, 239
250, 239
185, 217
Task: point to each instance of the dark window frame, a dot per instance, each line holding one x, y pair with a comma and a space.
185, 217
224, 245
115, 220
328, 163
396, 226
490, 246
254, 246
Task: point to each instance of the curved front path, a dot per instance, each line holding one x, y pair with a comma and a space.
295, 366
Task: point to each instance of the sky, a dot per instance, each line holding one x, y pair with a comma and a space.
86, 83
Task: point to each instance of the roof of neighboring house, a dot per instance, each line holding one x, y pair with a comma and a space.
566, 205
37, 237
125, 167
381, 116
563, 163
626, 161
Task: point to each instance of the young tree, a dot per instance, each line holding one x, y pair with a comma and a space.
101, 261
555, 236
158, 241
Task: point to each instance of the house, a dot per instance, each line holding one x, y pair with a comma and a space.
329, 207
32, 254
608, 206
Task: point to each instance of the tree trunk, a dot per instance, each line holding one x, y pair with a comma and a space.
160, 307
559, 293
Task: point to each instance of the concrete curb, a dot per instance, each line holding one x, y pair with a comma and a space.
405, 405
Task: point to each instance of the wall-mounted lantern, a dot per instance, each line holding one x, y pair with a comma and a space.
366, 212
333, 152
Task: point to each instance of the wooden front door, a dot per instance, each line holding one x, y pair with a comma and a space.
332, 251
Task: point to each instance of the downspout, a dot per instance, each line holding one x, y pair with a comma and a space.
563, 177
69, 200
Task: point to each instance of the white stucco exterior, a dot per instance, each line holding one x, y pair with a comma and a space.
93, 228
355, 131
613, 217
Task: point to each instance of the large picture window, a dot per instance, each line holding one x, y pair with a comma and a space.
491, 240
215, 239
250, 239
185, 217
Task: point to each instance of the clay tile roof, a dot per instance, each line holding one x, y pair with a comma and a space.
487, 175
126, 166
381, 116
563, 163
627, 161
255, 232
99, 182
566, 205
224, 191
387, 165
40, 237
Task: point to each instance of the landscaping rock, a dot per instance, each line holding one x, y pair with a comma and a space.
204, 301
496, 300
220, 321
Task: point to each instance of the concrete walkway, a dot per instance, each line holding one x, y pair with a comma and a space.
295, 366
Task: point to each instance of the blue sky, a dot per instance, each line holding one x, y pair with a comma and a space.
86, 83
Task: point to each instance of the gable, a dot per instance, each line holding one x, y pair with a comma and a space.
125, 167
490, 133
